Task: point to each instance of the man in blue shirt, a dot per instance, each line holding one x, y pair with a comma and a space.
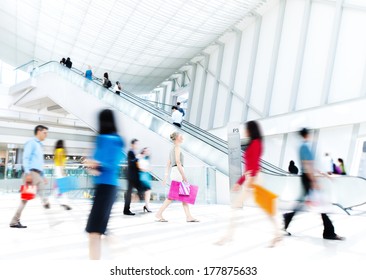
309, 182
33, 171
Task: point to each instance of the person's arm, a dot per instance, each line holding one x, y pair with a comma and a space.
179, 164
166, 174
27, 154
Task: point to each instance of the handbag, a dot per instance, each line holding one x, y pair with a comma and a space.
184, 188
28, 192
67, 184
265, 199
174, 193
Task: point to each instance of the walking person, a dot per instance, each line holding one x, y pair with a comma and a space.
145, 176
309, 182
245, 185
33, 163
105, 163
132, 177
59, 163
176, 170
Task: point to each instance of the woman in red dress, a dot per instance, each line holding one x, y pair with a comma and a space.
244, 186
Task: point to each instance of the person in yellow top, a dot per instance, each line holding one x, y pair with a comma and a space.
59, 162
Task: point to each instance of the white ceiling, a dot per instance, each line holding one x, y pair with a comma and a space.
139, 42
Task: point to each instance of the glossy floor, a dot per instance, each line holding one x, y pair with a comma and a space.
57, 234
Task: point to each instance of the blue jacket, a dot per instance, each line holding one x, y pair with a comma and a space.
109, 154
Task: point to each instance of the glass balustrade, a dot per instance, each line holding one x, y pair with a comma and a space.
201, 176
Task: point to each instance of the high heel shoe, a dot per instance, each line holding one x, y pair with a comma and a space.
146, 209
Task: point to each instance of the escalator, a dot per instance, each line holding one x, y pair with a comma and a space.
83, 98
202, 145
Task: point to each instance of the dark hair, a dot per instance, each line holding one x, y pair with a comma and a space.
106, 75
178, 103
59, 144
143, 152
107, 125
340, 160
292, 162
134, 140
174, 108
304, 132
117, 83
39, 128
254, 130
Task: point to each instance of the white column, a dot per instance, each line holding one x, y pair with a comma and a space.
202, 90
216, 86
332, 52
274, 59
191, 90
300, 56
248, 89
234, 68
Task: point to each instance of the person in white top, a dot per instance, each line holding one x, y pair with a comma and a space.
117, 88
177, 116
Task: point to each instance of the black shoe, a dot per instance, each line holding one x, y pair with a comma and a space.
67, 207
47, 205
129, 213
18, 225
335, 237
146, 209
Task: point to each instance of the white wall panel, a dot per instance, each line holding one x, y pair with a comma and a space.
244, 60
212, 66
207, 101
272, 148
264, 55
350, 57
253, 115
228, 58
287, 57
316, 55
196, 94
236, 111
220, 106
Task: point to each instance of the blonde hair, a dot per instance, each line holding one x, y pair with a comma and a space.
174, 135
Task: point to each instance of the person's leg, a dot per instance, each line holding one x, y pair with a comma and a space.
95, 246
147, 200
38, 180
128, 198
16, 218
328, 226
237, 204
189, 216
306, 188
159, 214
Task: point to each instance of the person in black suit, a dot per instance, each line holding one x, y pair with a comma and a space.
132, 176
68, 63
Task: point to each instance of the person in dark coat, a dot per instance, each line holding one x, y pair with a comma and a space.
292, 168
132, 176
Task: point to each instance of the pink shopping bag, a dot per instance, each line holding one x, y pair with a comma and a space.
174, 193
